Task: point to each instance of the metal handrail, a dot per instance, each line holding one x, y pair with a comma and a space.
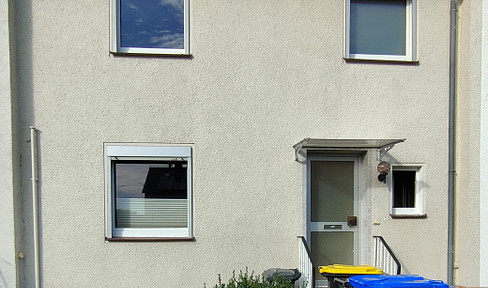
385, 263
306, 264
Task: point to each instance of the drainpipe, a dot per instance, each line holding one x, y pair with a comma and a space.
35, 206
452, 118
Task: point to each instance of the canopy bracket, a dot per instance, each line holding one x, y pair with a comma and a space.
298, 153
380, 153
382, 146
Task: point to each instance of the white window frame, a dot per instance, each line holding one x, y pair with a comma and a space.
144, 152
410, 41
418, 210
115, 46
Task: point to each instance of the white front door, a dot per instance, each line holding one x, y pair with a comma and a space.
332, 221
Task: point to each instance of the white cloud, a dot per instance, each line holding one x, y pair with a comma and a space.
168, 41
177, 4
132, 6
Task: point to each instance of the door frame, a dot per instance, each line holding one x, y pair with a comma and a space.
357, 163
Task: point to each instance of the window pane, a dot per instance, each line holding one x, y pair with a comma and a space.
152, 24
151, 194
377, 27
404, 189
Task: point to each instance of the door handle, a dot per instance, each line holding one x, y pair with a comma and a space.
332, 226
352, 221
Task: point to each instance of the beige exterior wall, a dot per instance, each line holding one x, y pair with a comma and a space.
471, 172
8, 267
263, 75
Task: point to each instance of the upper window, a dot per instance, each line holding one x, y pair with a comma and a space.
406, 190
150, 27
381, 30
148, 191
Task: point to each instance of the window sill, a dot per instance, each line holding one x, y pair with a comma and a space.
399, 62
149, 55
408, 216
150, 239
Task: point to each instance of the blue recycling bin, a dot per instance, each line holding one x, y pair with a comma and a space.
394, 281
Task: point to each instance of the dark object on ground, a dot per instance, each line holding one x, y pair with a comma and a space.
288, 274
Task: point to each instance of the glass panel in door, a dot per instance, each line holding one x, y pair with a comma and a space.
328, 248
332, 190
332, 193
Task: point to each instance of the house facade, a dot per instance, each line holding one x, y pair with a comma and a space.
472, 172
163, 143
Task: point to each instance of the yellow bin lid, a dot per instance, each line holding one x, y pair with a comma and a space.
350, 269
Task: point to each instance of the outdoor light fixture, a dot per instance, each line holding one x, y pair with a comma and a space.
383, 168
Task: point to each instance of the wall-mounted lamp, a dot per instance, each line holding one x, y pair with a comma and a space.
383, 168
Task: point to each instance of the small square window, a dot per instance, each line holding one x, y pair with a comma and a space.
150, 27
406, 190
380, 30
148, 191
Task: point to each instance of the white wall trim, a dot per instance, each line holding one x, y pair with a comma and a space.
484, 152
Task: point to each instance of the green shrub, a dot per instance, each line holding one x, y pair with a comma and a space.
249, 280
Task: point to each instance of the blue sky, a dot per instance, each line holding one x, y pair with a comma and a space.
152, 23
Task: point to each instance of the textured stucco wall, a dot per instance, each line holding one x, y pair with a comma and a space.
8, 273
468, 196
421, 244
264, 75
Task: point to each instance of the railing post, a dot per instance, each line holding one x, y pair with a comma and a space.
384, 257
305, 263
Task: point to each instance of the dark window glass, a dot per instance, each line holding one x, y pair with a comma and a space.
404, 189
150, 194
377, 27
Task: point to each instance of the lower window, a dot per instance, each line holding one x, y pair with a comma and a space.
148, 191
406, 190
